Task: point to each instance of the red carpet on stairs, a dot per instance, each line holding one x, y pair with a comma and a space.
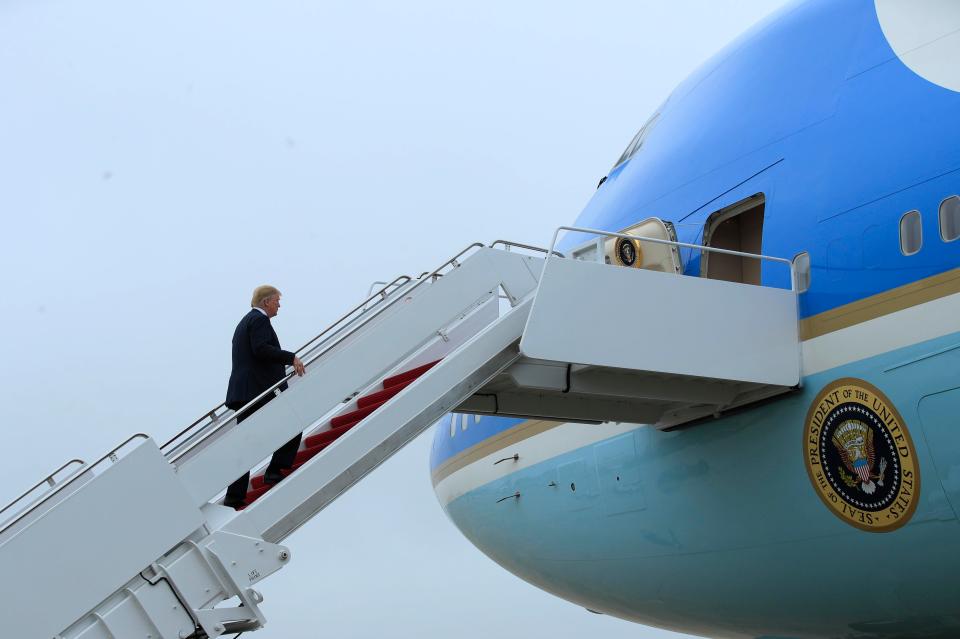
383, 395
411, 374
355, 415
314, 444
302, 456
324, 438
253, 493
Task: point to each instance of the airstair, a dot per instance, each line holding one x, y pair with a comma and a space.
137, 544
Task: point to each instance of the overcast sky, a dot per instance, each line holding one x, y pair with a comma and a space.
159, 160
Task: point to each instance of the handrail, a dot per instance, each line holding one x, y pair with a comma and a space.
397, 282
656, 240
377, 298
374, 285
112, 455
381, 294
507, 244
46, 480
352, 330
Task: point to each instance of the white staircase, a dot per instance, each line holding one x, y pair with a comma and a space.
138, 545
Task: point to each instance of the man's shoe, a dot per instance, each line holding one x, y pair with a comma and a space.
236, 504
272, 477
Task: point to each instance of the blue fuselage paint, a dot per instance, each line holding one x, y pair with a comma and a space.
715, 529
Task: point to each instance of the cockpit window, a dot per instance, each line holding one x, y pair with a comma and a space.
637, 140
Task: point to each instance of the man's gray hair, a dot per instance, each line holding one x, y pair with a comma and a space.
262, 294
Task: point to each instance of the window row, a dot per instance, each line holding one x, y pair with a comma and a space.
464, 420
911, 228
911, 237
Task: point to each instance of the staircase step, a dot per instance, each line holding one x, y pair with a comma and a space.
302, 457
327, 436
409, 375
254, 493
306, 454
355, 416
383, 395
339, 425
257, 480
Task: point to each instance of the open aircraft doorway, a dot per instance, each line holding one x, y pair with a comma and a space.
738, 227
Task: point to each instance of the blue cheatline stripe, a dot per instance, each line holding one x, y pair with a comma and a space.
445, 446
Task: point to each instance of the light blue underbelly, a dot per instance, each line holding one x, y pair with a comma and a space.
716, 529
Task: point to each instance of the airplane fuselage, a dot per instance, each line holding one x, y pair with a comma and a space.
829, 511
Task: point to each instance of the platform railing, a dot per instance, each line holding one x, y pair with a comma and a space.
113, 456
508, 245
656, 240
178, 452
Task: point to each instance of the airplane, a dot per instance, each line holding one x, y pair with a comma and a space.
721, 402
827, 134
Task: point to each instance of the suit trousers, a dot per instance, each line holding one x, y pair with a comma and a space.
282, 458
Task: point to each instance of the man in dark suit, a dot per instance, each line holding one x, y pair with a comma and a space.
258, 364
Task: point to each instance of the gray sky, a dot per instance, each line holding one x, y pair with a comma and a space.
159, 160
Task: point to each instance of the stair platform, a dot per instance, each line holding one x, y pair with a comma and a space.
608, 343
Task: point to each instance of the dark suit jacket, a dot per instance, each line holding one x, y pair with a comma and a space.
258, 360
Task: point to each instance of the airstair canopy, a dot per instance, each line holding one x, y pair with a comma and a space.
508, 329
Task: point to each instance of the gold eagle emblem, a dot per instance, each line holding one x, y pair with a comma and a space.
860, 457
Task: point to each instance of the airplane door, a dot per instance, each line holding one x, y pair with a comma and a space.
940, 417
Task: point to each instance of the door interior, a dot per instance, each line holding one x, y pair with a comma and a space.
738, 227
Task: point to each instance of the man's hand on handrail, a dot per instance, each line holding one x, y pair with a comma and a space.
298, 366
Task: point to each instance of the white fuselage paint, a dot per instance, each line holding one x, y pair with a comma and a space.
909, 326
925, 35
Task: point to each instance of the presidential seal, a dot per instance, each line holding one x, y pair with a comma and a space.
860, 457
628, 252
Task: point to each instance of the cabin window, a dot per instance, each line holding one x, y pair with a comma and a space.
911, 233
801, 266
950, 218
736, 228
453, 425
464, 422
